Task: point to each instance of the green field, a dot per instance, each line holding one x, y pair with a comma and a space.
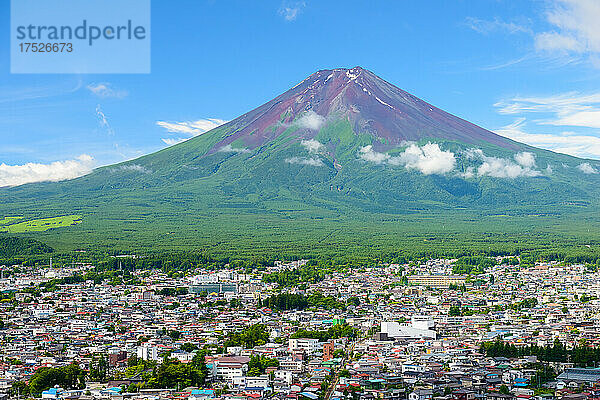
9, 220
37, 225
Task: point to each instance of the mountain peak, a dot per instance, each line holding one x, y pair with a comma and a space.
370, 104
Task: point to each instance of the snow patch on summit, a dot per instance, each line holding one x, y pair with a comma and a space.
353, 74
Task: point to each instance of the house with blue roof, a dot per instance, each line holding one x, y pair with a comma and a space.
112, 391
53, 393
202, 394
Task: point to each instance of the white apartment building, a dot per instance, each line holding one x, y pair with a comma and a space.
147, 353
229, 368
310, 346
294, 366
286, 376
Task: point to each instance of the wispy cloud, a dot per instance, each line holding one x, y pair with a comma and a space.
552, 41
190, 128
561, 104
231, 149
506, 64
496, 25
315, 162
172, 141
313, 146
106, 90
290, 10
11, 95
589, 119
568, 109
194, 128
575, 29
103, 121
15, 175
570, 143
572, 35
132, 168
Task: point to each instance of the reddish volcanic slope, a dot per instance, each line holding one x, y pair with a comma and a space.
372, 106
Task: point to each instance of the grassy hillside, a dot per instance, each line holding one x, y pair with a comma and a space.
254, 202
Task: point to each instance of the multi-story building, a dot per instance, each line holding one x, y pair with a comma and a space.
310, 346
436, 280
328, 349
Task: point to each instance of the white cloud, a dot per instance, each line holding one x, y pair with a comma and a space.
570, 143
552, 41
572, 34
290, 10
570, 109
502, 167
315, 162
561, 104
587, 168
173, 141
103, 121
15, 175
39, 91
469, 173
105, 90
431, 159
589, 119
230, 149
310, 120
191, 128
313, 146
575, 28
526, 159
428, 159
368, 154
135, 168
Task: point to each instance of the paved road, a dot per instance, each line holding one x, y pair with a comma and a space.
337, 375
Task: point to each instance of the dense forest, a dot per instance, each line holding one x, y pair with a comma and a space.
16, 246
475, 260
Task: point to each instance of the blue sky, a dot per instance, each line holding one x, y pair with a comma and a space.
529, 70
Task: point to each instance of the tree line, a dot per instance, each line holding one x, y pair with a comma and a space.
335, 332
580, 355
292, 301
